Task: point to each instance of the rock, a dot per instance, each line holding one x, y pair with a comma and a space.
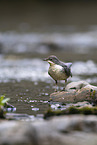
93, 88
76, 85
23, 117
83, 104
59, 106
86, 110
14, 133
64, 130
79, 85
68, 130
76, 92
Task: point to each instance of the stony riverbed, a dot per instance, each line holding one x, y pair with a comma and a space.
26, 82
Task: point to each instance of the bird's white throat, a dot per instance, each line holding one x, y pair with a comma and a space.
50, 62
58, 67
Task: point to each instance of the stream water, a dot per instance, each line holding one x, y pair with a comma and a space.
26, 82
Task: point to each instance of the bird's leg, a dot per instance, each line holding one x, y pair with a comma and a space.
65, 85
56, 85
65, 81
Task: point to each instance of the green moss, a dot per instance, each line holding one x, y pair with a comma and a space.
63, 103
3, 102
71, 110
50, 113
92, 94
86, 110
59, 107
51, 99
95, 110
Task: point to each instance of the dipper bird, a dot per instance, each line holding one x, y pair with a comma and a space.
58, 70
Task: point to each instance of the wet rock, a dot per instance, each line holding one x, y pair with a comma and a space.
54, 106
86, 110
76, 92
82, 104
76, 85
22, 117
65, 130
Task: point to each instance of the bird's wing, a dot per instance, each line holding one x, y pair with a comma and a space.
67, 69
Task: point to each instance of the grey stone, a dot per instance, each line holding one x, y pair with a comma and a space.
94, 88
76, 85
13, 133
64, 130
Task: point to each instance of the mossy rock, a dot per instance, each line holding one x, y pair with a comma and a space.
75, 94
72, 110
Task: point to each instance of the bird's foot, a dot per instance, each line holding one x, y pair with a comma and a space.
55, 90
63, 89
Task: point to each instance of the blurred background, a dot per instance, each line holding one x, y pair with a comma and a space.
41, 26
33, 29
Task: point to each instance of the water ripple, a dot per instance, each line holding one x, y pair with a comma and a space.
36, 70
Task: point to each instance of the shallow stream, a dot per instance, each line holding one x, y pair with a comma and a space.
24, 79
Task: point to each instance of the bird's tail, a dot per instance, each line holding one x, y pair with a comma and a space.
68, 64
